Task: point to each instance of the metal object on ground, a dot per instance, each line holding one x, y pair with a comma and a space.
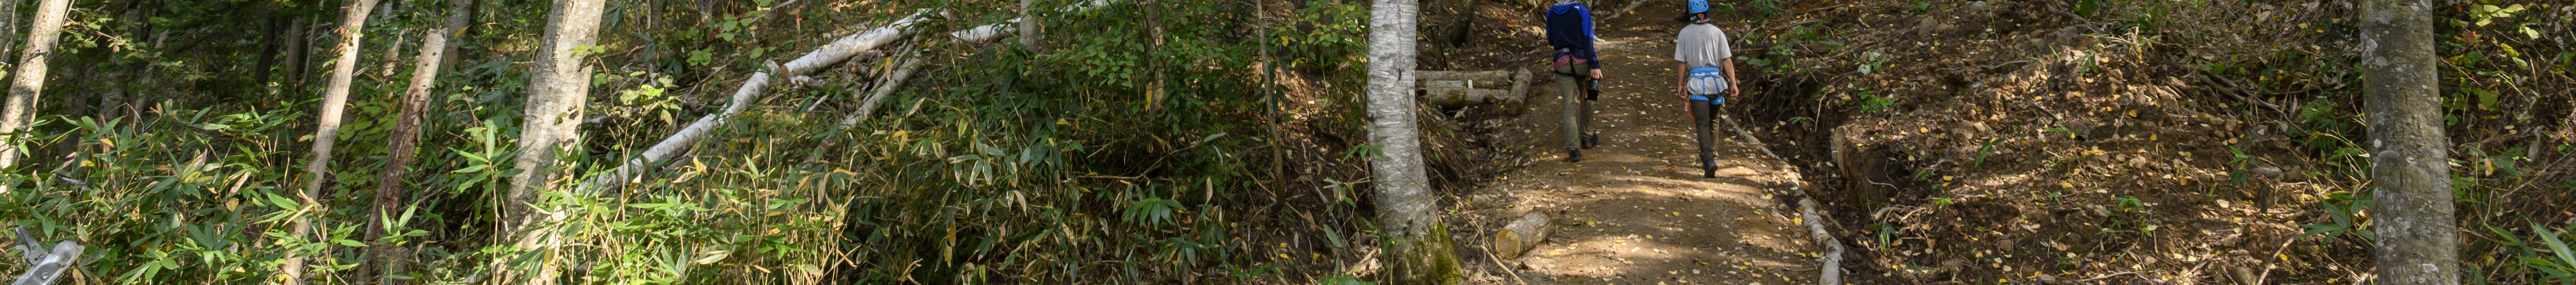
45, 266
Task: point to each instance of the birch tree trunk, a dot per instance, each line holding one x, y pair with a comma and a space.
2410, 156
29, 81
1408, 213
390, 258
335, 98
552, 121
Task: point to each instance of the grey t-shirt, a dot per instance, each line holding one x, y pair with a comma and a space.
1701, 45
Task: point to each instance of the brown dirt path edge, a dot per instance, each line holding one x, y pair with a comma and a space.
1636, 210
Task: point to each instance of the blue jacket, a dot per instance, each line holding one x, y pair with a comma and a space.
1569, 28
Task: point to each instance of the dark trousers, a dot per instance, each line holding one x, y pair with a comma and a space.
1704, 124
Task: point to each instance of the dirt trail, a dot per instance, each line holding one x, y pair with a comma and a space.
1636, 210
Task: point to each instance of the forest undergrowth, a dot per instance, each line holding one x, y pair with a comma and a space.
2186, 142
1140, 142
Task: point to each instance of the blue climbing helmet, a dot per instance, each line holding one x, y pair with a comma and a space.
1698, 11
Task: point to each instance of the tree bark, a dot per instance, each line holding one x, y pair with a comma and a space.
335, 98
1486, 76
29, 81
552, 120
2410, 155
893, 81
1030, 25
1407, 211
390, 258
8, 26
296, 51
1461, 88
460, 16
390, 12
267, 51
1461, 97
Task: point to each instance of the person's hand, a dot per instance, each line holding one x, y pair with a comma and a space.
1732, 91
1596, 74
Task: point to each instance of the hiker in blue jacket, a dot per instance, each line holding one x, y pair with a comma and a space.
1578, 70
1707, 70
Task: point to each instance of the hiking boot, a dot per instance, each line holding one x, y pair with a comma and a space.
1574, 155
1708, 169
1590, 140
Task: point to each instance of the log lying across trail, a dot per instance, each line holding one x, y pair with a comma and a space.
758, 85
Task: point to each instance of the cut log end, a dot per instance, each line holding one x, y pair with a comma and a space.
1522, 235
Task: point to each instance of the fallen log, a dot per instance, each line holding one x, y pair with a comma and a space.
1488, 76
1829, 268
893, 81
751, 89
1522, 235
827, 55
1452, 97
1461, 88
1830, 271
1452, 84
1521, 83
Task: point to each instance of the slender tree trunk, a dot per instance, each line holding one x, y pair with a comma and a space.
552, 119
335, 98
29, 80
297, 49
268, 51
1407, 211
391, 12
391, 258
8, 26
1030, 27
460, 16
2409, 160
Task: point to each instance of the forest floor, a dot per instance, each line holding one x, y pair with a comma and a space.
1635, 210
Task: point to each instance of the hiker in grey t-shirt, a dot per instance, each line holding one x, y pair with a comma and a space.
1707, 70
